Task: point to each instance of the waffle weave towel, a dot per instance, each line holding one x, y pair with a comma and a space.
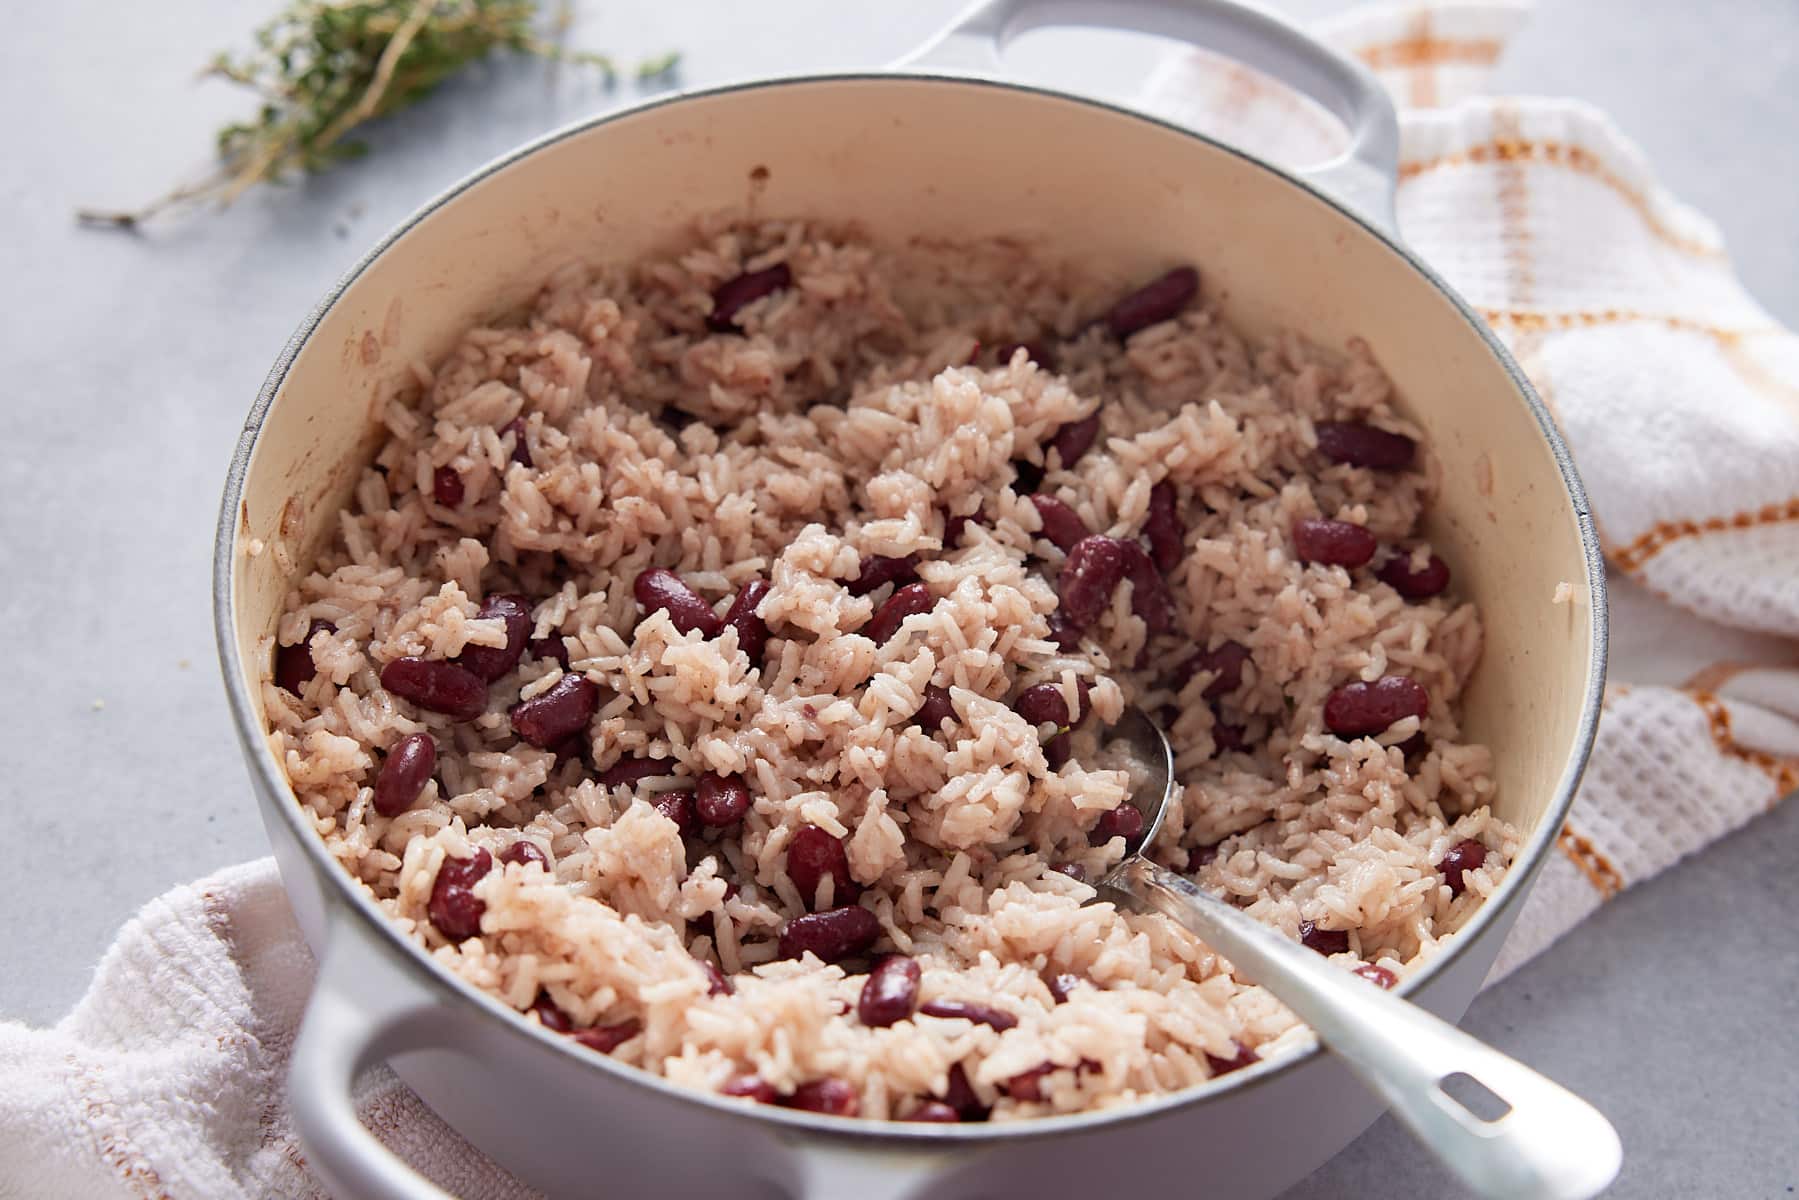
1678, 394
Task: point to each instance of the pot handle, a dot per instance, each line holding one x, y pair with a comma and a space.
833, 1172
1363, 177
348, 1027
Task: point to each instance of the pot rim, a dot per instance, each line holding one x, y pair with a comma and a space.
892, 1134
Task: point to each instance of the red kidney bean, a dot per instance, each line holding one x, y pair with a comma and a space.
1063, 632
1027, 476
720, 800
446, 487
404, 773
525, 851
1466, 855
877, 569
570, 749
1362, 445
1154, 302
1242, 1057
1062, 526
1415, 745
553, 714
934, 1111
607, 1038
716, 982
960, 1095
1167, 536
1324, 941
521, 446
832, 1097
1057, 751
1124, 821
1199, 856
550, 647
1075, 439
1378, 976
438, 687
981, 1014
1226, 664
936, 708
1028, 1085
890, 993
1357, 709
680, 808
908, 601
550, 1014
658, 588
1333, 543
1073, 870
491, 662
628, 771
1422, 584
955, 526
752, 1087
1037, 352
1095, 567
1062, 986
1042, 703
813, 854
832, 935
732, 295
1225, 736
752, 630
453, 907
294, 667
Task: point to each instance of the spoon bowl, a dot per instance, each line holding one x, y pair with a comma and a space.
1537, 1141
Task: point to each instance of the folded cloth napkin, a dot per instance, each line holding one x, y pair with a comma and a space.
1678, 395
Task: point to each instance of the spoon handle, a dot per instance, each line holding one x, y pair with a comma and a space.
1549, 1144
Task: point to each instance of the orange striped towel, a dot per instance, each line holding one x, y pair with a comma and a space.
1678, 395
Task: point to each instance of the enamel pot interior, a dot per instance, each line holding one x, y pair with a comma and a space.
912, 157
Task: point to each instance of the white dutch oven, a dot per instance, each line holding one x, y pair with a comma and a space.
907, 153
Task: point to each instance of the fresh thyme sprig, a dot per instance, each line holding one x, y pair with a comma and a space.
325, 68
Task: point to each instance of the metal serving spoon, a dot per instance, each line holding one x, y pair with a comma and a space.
1548, 1144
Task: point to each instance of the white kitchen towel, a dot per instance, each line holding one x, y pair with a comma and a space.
1679, 397
167, 1082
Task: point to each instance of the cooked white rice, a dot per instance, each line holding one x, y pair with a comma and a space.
842, 423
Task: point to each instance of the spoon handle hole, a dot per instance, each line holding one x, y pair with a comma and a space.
1476, 1098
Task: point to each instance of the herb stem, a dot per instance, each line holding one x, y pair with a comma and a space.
370, 103
323, 69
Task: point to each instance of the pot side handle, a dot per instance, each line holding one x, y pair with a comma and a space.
1363, 177
347, 1029
830, 1172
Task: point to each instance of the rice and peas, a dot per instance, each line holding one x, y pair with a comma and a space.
711, 666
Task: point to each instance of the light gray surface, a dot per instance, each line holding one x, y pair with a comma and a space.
131, 361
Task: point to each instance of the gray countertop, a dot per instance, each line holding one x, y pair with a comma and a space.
130, 362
